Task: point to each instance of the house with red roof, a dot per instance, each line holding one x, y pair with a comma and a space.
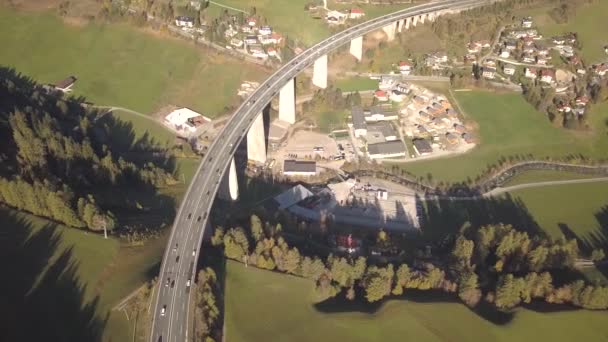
381, 95
356, 13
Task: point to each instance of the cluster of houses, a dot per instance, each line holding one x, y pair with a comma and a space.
523, 45
334, 17
432, 123
259, 41
426, 118
437, 60
576, 106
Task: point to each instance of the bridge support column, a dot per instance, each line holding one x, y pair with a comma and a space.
356, 48
415, 21
400, 24
256, 141
422, 18
408, 22
431, 16
390, 31
229, 188
319, 76
287, 103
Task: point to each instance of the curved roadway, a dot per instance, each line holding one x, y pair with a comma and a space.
179, 260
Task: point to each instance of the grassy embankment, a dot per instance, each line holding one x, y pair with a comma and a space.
119, 66
535, 176
508, 125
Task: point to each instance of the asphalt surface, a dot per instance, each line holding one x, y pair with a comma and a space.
182, 251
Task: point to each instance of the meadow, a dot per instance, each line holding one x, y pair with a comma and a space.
508, 125
117, 65
260, 304
356, 84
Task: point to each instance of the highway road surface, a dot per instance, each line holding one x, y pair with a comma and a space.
170, 308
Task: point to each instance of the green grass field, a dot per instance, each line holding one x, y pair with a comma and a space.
143, 128
508, 125
577, 206
106, 270
118, 66
534, 176
356, 84
262, 305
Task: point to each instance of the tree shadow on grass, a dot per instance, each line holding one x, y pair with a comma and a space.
442, 217
43, 299
340, 304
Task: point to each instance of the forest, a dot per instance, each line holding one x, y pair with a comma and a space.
57, 163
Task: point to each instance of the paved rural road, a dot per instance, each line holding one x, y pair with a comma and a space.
500, 190
179, 260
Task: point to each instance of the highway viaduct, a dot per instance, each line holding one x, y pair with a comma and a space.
170, 315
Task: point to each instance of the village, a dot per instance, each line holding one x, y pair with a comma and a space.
523, 56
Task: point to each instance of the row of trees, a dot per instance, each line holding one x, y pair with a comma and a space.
492, 257
207, 326
54, 161
501, 252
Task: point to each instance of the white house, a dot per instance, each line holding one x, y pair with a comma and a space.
387, 83
488, 72
526, 22
251, 40
530, 73
405, 68
547, 76
356, 13
236, 42
396, 96
335, 17
509, 69
183, 21
185, 120
265, 30
505, 54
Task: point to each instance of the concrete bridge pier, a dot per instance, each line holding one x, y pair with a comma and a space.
390, 31
229, 187
431, 16
356, 48
287, 103
256, 141
319, 75
415, 21
422, 18
408, 22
